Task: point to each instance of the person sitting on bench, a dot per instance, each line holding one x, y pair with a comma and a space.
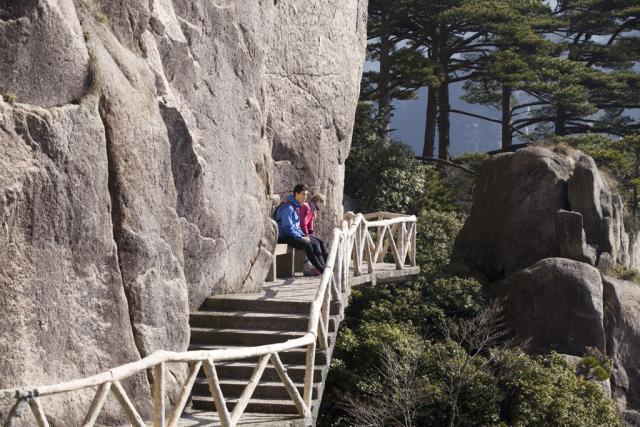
307, 220
289, 231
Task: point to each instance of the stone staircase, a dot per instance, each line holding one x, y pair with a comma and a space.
225, 322
283, 322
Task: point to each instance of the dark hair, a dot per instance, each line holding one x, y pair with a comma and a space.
300, 188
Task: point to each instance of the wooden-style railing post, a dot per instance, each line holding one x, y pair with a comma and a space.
96, 405
308, 373
38, 412
216, 393
403, 237
121, 396
243, 401
184, 394
326, 311
361, 241
414, 243
158, 395
356, 252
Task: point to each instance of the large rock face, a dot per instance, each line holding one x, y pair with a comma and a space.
138, 162
519, 214
542, 219
557, 304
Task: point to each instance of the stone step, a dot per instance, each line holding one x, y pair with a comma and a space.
243, 370
241, 337
296, 356
262, 305
252, 320
263, 406
264, 390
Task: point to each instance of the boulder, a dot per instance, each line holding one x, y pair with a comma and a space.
556, 304
512, 220
572, 242
630, 418
622, 326
526, 207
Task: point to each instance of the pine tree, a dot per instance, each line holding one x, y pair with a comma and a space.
460, 40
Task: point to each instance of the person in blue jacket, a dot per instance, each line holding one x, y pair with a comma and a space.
289, 231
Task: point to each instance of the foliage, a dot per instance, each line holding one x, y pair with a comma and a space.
565, 67
620, 158
384, 176
623, 273
595, 366
466, 377
436, 230
546, 391
10, 98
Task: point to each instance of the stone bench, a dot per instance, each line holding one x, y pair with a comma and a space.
286, 259
286, 262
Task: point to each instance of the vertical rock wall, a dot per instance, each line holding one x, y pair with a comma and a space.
139, 144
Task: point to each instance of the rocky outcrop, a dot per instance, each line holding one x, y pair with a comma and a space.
622, 324
138, 161
519, 215
556, 304
542, 219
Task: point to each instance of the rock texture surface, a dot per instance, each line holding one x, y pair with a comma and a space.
513, 222
557, 304
542, 219
622, 323
138, 162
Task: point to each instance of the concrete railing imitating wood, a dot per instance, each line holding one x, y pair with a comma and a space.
352, 246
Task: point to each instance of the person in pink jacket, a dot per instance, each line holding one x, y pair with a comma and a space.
307, 219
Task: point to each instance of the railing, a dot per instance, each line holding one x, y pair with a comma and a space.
351, 243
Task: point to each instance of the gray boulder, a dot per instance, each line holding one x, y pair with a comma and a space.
572, 242
556, 303
519, 214
630, 418
622, 325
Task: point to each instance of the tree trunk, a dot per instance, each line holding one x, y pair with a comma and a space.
635, 187
507, 136
561, 122
384, 96
428, 150
443, 121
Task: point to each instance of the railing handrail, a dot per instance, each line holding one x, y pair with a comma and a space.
352, 238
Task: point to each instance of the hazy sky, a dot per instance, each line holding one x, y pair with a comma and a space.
467, 133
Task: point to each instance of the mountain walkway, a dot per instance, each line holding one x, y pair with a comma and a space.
257, 358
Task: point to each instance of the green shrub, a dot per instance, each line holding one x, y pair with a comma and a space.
384, 176
435, 237
624, 273
545, 391
10, 98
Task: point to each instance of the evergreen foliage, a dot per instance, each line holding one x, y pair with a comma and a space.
550, 68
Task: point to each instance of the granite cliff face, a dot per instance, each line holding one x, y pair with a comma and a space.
542, 220
140, 142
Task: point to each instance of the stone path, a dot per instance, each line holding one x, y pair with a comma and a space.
280, 311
